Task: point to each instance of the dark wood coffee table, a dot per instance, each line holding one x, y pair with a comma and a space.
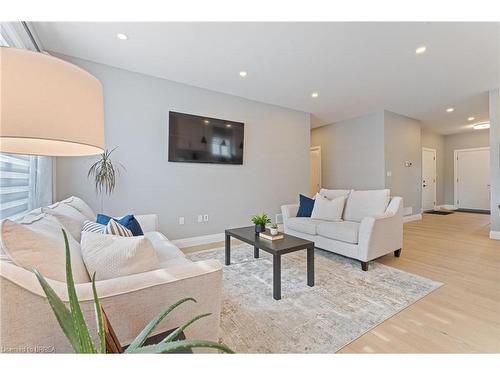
277, 248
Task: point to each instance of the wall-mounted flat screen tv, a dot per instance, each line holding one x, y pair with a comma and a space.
199, 139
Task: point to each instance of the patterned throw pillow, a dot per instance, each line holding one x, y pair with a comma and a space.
113, 227
117, 229
90, 226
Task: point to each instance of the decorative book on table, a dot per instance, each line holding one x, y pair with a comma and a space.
268, 236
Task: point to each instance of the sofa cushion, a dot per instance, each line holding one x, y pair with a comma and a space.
326, 209
115, 256
37, 242
346, 231
334, 193
165, 250
363, 203
80, 205
69, 217
306, 206
303, 224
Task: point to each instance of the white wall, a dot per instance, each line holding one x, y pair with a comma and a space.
276, 156
403, 144
352, 152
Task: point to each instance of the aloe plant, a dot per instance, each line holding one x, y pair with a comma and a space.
74, 326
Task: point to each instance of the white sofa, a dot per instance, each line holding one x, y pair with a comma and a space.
27, 323
372, 225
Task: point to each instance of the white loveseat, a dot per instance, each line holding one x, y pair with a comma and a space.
28, 323
371, 226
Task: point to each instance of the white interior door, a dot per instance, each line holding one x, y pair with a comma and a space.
315, 158
472, 178
428, 179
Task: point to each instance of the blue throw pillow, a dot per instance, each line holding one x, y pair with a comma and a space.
128, 221
306, 206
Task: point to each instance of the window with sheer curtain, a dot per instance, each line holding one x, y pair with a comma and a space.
25, 180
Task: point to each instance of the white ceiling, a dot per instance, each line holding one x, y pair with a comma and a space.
357, 68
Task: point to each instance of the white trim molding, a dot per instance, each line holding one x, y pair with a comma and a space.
200, 240
495, 235
408, 218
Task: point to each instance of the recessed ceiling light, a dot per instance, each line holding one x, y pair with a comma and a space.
243, 74
315, 94
420, 50
206, 121
482, 125
471, 118
122, 36
229, 126
450, 109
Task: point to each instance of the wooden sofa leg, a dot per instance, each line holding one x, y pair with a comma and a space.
364, 266
397, 253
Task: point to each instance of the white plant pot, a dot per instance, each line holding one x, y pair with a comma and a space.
274, 232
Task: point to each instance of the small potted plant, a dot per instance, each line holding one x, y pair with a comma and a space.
260, 222
274, 229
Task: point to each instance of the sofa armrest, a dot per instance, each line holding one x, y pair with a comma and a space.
380, 235
288, 211
130, 303
148, 223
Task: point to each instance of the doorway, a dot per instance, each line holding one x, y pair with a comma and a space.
428, 179
472, 178
315, 159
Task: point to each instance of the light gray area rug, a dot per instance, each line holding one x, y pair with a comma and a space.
344, 303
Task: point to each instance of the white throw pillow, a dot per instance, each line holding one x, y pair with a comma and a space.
114, 256
38, 243
334, 193
81, 206
364, 203
326, 209
69, 217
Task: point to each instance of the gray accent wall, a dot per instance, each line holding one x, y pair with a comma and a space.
403, 144
352, 152
276, 156
452, 142
494, 100
356, 154
436, 142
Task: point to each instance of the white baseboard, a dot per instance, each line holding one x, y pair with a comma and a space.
495, 235
412, 218
200, 240
446, 207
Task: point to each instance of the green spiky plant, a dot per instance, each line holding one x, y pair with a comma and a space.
104, 171
261, 219
75, 327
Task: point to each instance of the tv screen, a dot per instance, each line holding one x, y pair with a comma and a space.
199, 139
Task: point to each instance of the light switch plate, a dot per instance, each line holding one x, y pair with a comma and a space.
200, 218
205, 217
181, 220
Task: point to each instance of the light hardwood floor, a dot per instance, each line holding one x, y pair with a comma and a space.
461, 316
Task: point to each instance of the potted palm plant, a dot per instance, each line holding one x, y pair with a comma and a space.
260, 222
